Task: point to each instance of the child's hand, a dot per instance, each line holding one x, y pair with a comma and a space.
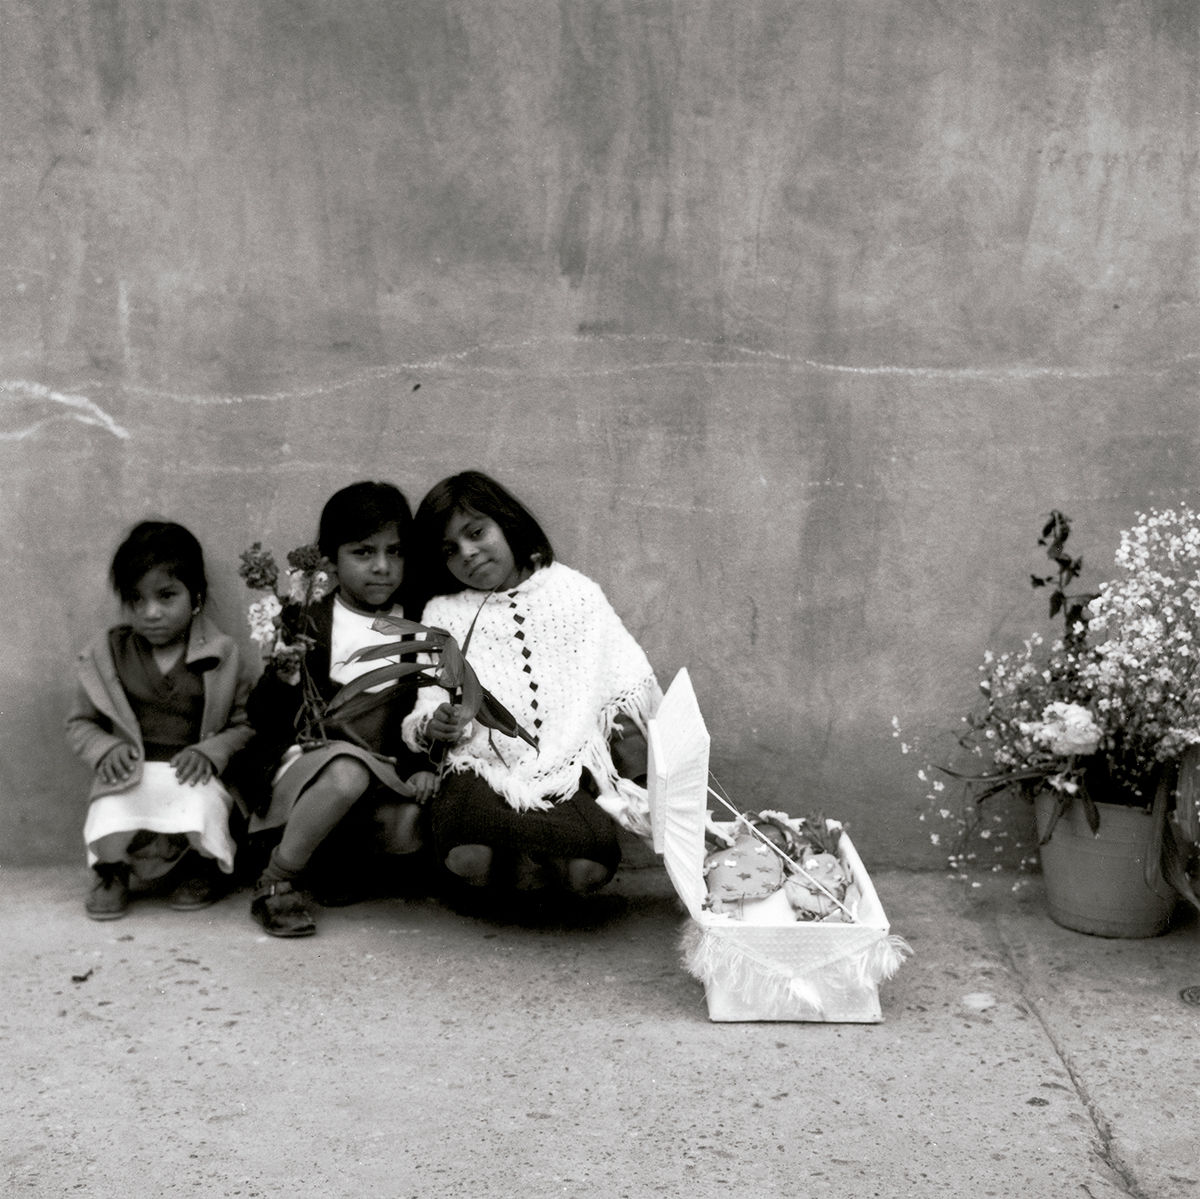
424, 785
447, 723
117, 765
192, 767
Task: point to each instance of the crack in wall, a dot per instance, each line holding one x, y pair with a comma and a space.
737, 358
78, 408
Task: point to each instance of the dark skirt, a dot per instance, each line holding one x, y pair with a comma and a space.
466, 811
289, 785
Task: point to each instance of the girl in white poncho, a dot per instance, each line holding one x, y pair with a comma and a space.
547, 644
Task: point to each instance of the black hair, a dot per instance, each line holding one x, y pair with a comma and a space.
360, 511
159, 543
473, 491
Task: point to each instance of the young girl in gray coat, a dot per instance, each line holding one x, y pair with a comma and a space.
159, 710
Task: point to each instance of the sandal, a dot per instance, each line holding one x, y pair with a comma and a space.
279, 908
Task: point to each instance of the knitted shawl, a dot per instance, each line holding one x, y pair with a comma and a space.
557, 656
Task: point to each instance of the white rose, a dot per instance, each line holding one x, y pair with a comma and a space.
1066, 729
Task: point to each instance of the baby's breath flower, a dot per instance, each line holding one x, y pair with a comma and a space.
1118, 693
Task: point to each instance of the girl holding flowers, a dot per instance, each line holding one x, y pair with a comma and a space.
346, 775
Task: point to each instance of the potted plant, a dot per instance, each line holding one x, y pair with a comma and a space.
1101, 730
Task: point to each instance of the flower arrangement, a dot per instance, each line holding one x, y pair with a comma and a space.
1107, 711
278, 622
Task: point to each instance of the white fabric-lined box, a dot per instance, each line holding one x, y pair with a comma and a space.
790, 970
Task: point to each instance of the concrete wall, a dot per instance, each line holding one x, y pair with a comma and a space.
790, 319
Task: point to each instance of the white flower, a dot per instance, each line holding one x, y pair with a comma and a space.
1065, 729
304, 586
322, 585
261, 616
297, 586
1064, 783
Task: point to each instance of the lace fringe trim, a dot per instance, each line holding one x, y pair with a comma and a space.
762, 983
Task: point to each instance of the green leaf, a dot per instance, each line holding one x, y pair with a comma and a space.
472, 692
391, 649
471, 631
1090, 811
494, 715
1061, 800
450, 671
364, 682
385, 623
358, 705
1174, 865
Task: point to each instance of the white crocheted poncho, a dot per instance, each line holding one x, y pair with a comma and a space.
557, 656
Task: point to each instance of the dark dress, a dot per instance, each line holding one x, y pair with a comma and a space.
275, 711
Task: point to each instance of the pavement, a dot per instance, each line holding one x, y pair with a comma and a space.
408, 1050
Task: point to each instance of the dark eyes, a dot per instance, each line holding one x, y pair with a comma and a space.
165, 596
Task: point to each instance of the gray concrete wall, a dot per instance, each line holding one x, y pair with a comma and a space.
790, 319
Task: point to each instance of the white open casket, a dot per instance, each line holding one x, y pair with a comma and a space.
785, 970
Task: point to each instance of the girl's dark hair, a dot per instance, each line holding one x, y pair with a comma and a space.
473, 491
159, 543
360, 511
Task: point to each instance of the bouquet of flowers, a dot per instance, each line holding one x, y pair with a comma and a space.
1108, 710
278, 621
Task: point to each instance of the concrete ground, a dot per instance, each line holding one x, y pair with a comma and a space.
407, 1050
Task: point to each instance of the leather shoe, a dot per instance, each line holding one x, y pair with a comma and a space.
195, 890
279, 908
109, 896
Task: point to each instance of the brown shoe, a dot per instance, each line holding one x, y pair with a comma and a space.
109, 896
280, 910
197, 889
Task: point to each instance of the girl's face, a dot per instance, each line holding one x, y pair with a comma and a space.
160, 608
369, 571
477, 553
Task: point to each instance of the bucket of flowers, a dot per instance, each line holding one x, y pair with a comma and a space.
1100, 730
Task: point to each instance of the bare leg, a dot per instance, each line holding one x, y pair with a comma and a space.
470, 862
320, 808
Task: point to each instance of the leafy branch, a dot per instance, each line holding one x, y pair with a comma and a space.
1072, 606
445, 666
